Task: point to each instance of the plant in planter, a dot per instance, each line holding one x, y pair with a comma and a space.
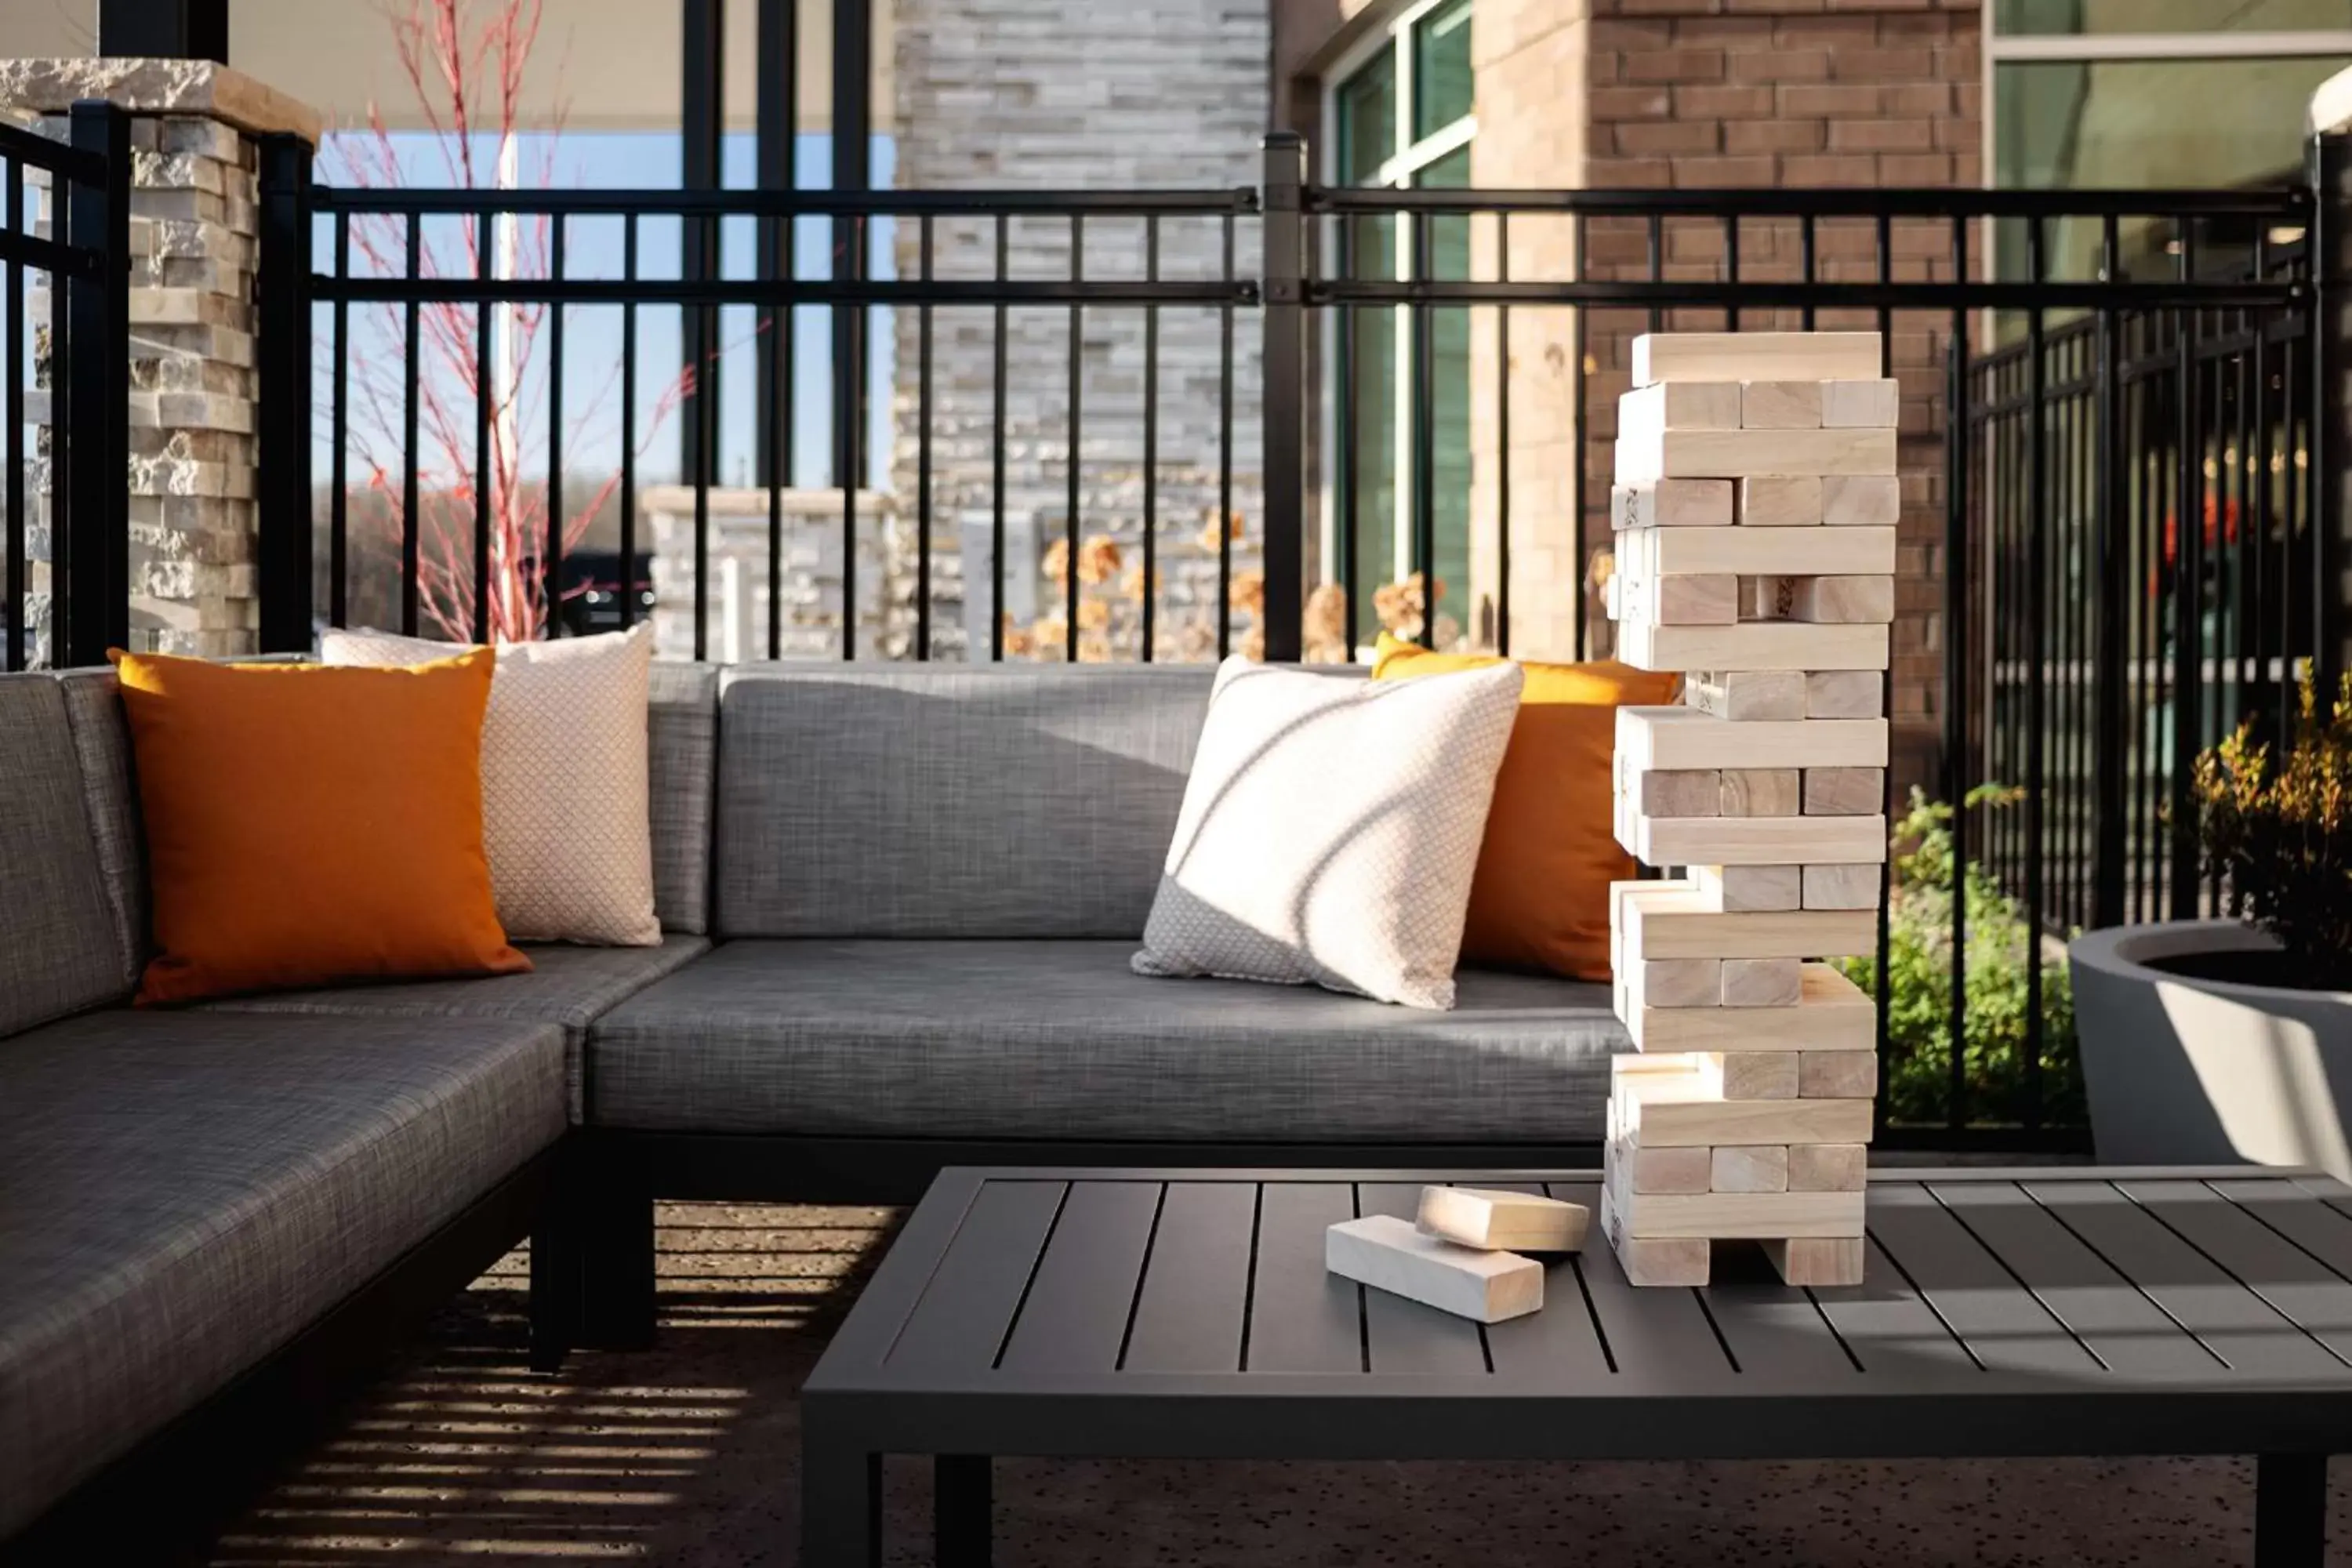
2217, 1041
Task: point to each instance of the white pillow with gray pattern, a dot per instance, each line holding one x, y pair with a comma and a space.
565, 809
1330, 830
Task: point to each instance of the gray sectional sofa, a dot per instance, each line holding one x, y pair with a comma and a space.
898, 903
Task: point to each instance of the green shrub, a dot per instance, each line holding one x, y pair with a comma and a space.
2281, 837
1919, 966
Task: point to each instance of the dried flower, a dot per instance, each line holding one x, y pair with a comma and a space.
1099, 559
1248, 593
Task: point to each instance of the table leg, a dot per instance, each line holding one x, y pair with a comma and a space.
841, 1507
2290, 1511
961, 1507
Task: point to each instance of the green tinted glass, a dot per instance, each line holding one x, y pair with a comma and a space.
1441, 68
1368, 120
1449, 357
2098, 18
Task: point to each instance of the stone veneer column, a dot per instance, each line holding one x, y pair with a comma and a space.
194, 421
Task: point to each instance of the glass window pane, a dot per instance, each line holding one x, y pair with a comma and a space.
2095, 17
1449, 332
1441, 68
1368, 120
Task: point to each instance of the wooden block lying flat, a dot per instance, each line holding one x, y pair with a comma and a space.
1862, 500
1875, 402
1780, 501
1844, 694
1672, 503
1710, 599
1660, 1114
1755, 356
1837, 1075
1691, 738
1736, 454
1761, 841
1844, 791
1831, 1015
1751, 1168
1781, 405
1845, 887
1678, 792
1665, 1170
1388, 1254
1686, 928
1750, 890
1766, 552
1762, 1216
1836, 601
1817, 1259
1651, 1261
1760, 791
1680, 405
1828, 1167
1753, 1075
1764, 645
1502, 1222
1762, 981
1747, 696
1680, 983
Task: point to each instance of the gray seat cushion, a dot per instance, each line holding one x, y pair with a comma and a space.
59, 947
181, 1193
567, 985
1058, 1039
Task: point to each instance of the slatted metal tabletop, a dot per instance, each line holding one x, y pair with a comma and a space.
1188, 1314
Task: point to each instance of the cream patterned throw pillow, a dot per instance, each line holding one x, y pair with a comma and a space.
1329, 829
565, 813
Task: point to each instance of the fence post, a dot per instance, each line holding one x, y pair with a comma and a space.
1284, 391
282, 573
2331, 407
91, 551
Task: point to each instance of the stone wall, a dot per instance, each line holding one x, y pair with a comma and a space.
1068, 94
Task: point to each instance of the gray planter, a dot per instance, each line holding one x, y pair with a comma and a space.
2181, 1070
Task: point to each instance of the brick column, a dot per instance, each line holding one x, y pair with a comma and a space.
193, 423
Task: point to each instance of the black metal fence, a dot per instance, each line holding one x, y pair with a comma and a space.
1389, 407
71, 485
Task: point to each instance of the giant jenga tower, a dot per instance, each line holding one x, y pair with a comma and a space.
1755, 507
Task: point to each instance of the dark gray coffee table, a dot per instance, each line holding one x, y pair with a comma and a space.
1186, 1314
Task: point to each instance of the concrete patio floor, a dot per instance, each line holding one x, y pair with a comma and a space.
688, 1455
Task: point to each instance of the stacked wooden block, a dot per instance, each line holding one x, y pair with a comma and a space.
1755, 506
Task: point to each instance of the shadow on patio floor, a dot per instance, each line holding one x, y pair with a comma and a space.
688, 1455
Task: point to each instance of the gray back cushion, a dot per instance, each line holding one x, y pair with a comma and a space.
683, 736
110, 783
58, 948
1006, 802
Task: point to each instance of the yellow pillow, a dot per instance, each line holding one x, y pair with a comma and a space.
1539, 899
306, 825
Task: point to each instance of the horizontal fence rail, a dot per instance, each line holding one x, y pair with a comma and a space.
68, 600
1283, 418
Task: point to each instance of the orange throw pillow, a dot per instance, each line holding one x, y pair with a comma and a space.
308, 826
1539, 899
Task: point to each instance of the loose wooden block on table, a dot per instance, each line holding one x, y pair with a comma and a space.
1817, 1259
1388, 1254
1778, 405
1832, 1014
1680, 982
1875, 402
1837, 1075
1762, 981
1737, 453
1653, 1262
1835, 600
1759, 645
1751, 1075
1747, 696
1755, 356
1685, 926
1844, 887
1730, 1215
1662, 1119
1749, 1168
1780, 501
1845, 694
1759, 841
1760, 791
1862, 500
1680, 405
1691, 738
1844, 791
1750, 890
1828, 1167
1502, 1222
1762, 552
1672, 503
